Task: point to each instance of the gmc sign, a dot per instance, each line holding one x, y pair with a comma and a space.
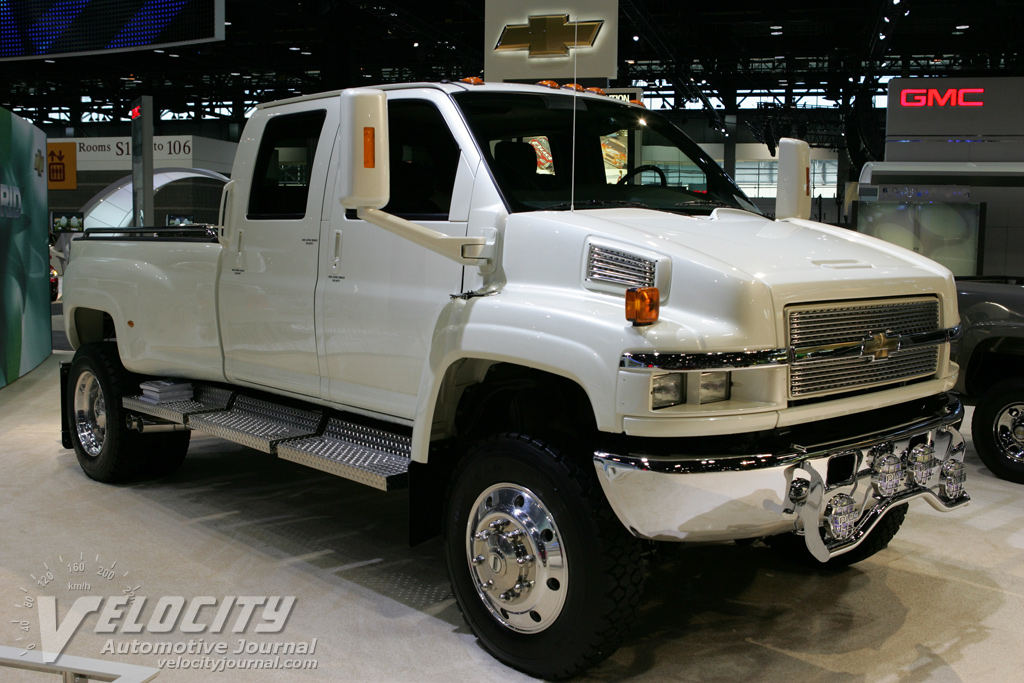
931, 97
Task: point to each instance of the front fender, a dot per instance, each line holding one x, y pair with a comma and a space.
578, 337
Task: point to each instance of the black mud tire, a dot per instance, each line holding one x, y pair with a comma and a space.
587, 608
794, 548
992, 430
106, 449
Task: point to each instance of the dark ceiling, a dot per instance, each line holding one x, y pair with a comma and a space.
727, 48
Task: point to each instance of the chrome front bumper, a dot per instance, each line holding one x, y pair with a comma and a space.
837, 490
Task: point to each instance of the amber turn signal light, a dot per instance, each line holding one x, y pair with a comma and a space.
642, 305
369, 150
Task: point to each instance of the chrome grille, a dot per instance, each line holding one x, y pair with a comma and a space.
619, 267
813, 326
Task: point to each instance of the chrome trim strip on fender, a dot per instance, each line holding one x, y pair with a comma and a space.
704, 361
873, 345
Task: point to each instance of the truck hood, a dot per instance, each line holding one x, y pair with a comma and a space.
797, 259
734, 272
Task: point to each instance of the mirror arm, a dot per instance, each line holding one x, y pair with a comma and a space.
469, 251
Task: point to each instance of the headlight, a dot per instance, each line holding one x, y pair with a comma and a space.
714, 387
668, 390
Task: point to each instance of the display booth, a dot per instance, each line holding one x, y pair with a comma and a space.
952, 183
25, 339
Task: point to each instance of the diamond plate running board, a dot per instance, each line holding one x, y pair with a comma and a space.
369, 456
205, 399
257, 424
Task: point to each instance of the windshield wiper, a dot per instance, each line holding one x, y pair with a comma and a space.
596, 204
717, 203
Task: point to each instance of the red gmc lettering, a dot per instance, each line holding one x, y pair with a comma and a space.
936, 100
913, 98
969, 91
931, 97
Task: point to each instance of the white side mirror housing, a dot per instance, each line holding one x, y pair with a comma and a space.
363, 137
793, 196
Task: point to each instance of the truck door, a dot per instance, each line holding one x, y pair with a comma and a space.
382, 294
268, 277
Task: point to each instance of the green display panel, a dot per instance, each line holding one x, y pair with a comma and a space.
25, 339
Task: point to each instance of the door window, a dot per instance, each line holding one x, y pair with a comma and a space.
280, 183
424, 160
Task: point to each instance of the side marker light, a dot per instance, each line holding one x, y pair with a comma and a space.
642, 304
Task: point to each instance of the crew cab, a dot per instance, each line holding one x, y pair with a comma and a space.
550, 316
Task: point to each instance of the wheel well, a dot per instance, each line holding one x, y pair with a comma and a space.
480, 399
993, 362
513, 398
92, 325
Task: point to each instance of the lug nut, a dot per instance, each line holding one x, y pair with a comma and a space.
479, 559
487, 585
514, 534
499, 524
525, 559
482, 535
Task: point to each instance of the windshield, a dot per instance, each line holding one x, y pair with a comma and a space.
625, 156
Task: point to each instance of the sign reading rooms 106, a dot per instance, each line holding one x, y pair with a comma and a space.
123, 148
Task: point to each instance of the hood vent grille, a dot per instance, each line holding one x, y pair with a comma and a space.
619, 267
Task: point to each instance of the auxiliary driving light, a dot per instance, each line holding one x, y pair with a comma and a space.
953, 475
841, 517
921, 463
888, 474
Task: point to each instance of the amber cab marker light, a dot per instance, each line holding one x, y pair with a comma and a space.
549, 84
472, 80
369, 153
642, 305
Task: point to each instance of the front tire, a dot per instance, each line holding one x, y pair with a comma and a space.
998, 430
545, 575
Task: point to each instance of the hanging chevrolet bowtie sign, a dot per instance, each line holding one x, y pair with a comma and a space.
548, 35
575, 39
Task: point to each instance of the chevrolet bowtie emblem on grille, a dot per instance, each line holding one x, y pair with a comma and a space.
880, 345
548, 35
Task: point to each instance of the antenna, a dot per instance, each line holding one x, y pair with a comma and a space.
572, 152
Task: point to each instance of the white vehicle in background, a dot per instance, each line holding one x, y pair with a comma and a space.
550, 316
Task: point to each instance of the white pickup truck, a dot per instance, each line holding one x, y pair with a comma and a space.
551, 317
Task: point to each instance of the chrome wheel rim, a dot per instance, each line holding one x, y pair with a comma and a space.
1009, 431
90, 413
516, 558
